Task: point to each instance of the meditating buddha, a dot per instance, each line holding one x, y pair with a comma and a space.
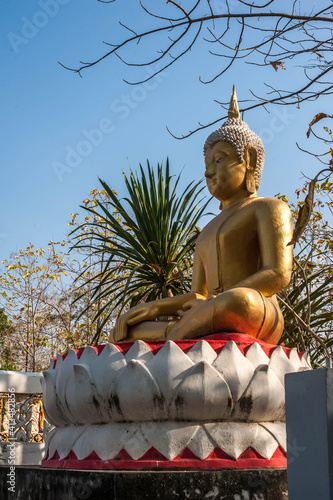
242, 257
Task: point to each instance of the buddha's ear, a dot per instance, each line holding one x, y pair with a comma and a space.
250, 157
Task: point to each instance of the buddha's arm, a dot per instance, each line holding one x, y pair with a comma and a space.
275, 230
169, 306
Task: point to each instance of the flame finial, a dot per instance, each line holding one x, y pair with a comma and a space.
233, 106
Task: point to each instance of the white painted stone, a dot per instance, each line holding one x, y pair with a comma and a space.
52, 407
202, 351
22, 382
137, 445
169, 367
201, 444
263, 400
64, 368
203, 395
295, 360
278, 431
110, 439
264, 443
51, 443
104, 370
280, 364
170, 438
138, 394
232, 437
256, 355
106, 440
235, 368
306, 361
88, 356
25, 453
67, 438
139, 351
169, 401
81, 396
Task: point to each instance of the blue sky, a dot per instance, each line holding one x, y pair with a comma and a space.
60, 132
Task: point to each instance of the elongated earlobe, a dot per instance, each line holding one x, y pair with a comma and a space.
250, 183
251, 163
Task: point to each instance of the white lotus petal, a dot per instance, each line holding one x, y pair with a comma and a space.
53, 410
295, 359
202, 351
51, 448
66, 439
201, 444
168, 368
278, 431
139, 351
81, 396
64, 368
306, 361
106, 440
136, 393
137, 445
264, 443
104, 370
109, 439
280, 364
256, 355
59, 360
232, 437
264, 398
203, 395
235, 368
51, 364
88, 355
169, 438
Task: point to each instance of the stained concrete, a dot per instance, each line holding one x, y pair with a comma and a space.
34, 483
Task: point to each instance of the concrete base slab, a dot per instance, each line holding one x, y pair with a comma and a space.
18, 453
34, 483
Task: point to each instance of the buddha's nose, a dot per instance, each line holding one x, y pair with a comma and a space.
209, 172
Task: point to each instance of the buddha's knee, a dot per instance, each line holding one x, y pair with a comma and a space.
238, 308
239, 301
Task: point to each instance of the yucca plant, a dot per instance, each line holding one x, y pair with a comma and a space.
146, 242
308, 313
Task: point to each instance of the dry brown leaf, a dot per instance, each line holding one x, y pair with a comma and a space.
317, 118
277, 64
304, 213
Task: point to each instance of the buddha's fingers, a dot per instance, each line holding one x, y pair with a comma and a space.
191, 304
111, 336
138, 318
120, 330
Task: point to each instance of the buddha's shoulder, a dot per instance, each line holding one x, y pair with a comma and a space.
270, 205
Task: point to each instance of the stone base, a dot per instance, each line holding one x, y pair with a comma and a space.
53, 484
22, 454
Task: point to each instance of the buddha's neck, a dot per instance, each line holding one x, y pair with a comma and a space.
237, 199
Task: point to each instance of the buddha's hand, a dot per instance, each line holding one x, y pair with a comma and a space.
190, 305
141, 312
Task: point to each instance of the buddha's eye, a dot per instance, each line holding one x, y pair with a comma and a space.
219, 160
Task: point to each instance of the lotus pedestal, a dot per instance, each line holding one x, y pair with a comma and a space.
212, 403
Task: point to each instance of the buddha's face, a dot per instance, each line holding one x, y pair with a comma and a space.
225, 174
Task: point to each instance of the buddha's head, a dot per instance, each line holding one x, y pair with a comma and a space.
247, 147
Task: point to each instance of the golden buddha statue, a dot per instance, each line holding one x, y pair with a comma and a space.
241, 260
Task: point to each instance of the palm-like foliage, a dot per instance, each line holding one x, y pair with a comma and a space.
310, 297
144, 247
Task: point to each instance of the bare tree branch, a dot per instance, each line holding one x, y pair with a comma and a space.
264, 37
